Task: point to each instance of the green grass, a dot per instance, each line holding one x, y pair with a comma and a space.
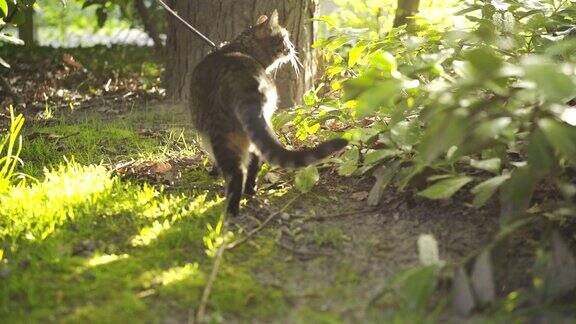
79, 244
94, 140
86, 142
90, 247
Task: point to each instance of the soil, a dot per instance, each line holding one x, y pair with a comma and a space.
344, 274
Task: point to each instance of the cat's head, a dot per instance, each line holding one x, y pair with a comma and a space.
272, 42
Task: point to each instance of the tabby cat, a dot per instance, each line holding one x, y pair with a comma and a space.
232, 100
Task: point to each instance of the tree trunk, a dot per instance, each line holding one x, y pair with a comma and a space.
405, 9
222, 20
149, 25
26, 28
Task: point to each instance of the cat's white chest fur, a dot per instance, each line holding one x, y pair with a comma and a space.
270, 106
271, 100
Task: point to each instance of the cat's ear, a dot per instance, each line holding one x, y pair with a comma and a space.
262, 19
265, 26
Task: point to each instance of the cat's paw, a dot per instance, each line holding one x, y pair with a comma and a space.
250, 191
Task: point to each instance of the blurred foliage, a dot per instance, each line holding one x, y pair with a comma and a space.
124, 10
56, 21
485, 111
460, 105
375, 17
11, 12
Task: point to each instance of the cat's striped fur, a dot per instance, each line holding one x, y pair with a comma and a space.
232, 101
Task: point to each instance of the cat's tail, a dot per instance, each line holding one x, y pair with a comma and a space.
261, 135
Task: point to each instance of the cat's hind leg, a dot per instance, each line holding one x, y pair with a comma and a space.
231, 155
251, 174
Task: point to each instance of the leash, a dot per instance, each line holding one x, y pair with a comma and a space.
194, 30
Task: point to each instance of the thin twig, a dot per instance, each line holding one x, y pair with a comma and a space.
261, 226
213, 274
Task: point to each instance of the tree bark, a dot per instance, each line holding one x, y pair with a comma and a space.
405, 9
222, 20
26, 29
149, 25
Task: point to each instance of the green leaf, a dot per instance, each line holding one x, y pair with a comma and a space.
561, 136
350, 164
406, 134
415, 286
444, 130
379, 155
11, 39
492, 128
306, 178
446, 188
490, 165
540, 154
551, 81
360, 134
310, 98
382, 94
355, 54
486, 189
355, 86
4, 7
384, 61
484, 60
516, 193
405, 175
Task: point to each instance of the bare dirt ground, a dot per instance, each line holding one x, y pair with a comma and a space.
338, 253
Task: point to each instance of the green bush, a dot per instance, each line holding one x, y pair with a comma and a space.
484, 108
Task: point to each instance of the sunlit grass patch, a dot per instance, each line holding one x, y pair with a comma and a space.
148, 134
34, 211
67, 242
150, 233
88, 142
177, 274
105, 259
88, 246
